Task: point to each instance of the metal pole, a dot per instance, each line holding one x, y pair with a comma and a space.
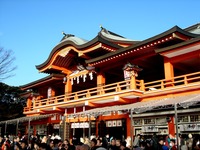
84, 131
74, 121
74, 129
176, 122
17, 126
131, 127
64, 127
5, 127
83, 123
89, 131
29, 122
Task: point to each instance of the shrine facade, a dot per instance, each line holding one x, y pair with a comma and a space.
112, 83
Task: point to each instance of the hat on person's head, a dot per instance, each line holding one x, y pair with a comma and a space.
190, 135
57, 137
101, 148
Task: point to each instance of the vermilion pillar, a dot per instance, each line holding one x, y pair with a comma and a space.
169, 72
128, 126
101, 79
171, 126
68, 86
29, 102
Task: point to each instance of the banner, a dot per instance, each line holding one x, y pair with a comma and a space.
189, 127
80, 125
149, 129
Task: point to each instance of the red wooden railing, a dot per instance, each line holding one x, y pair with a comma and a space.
123, 86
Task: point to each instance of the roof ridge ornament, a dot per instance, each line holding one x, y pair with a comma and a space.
101, 27
104, 30
67, 35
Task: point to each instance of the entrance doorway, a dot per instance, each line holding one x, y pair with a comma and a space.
116, 132
115, 129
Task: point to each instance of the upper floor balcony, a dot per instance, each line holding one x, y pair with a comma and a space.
117, 92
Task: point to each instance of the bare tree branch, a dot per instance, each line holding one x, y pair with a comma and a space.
6, 64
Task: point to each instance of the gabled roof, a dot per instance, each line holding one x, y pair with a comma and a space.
104, 36
42, 81
113, 37
149, 40
193, 27
76, 40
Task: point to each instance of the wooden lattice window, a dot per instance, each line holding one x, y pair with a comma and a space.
195, 118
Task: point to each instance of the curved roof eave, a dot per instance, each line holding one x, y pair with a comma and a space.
115, 38
188, 29
197, 39
170, 31
67, 42
30, 85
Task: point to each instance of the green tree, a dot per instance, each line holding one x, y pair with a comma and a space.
11, 104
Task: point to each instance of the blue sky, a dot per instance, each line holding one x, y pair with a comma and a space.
31, 28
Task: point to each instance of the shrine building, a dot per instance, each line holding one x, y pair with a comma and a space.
118, 86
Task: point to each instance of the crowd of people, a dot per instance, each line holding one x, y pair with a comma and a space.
139, 142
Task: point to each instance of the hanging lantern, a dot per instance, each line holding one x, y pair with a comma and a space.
130, 70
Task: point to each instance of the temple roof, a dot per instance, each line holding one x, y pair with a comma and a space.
112, 40
106, 40
193, 40
74, 39
194, 28
111, 36
41, 81
175, 29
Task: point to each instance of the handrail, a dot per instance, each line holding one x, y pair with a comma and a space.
97, 91
28, 109
173, 82
121, 86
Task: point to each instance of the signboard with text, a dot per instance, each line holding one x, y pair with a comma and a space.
190, 127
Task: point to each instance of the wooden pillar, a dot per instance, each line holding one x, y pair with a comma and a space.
128, 126
142, 87
101, 79
97, 127
133, 82
29, 103
53, 93
68, 88
169, 72
34, 130
171, 127
100, 82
